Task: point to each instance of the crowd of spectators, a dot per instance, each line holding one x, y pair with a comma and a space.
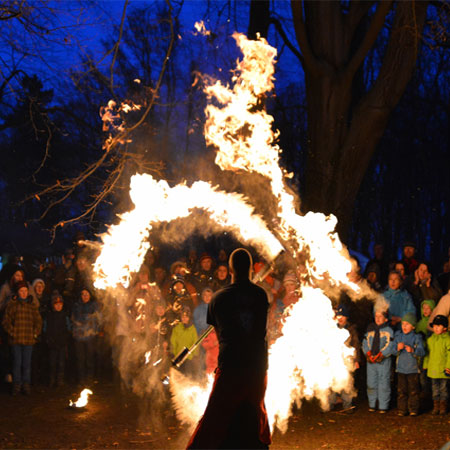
53, 326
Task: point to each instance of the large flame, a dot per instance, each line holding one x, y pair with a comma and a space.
310, 359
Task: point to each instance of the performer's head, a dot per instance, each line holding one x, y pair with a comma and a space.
240, 264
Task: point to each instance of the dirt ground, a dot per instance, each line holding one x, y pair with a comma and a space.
115, 420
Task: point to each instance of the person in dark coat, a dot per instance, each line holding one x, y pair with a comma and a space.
56, 331
235, 416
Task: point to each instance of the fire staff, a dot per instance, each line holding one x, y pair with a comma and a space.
235, 416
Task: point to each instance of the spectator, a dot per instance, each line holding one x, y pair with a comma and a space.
442, 308
184, 335
221, 277
378, 347
425, 287
408, 347
409, 260
201, 311
23, 323
437, 363
178, 299
378, 264
204, 277
56, 331
85, 327
400, 302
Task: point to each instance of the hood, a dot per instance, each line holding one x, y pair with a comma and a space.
431, 303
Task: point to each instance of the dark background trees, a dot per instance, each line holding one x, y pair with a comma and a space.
359, 148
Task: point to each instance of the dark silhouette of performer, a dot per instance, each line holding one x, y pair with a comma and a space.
235, 416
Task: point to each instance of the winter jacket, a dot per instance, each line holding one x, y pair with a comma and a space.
200, 317
422, 324
22, 321
386, 340
85, 320
183, 336
56, 329
400, 302
408, 362
438, 358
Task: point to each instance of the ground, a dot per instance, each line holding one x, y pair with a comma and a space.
115, 420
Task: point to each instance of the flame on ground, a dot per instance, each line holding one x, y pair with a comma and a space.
82, 400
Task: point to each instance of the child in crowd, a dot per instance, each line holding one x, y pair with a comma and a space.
211, 346
201, 311
408, 346
437, 363
426, 308
56, 332
343, 321
23, 323
184, 335
378, 347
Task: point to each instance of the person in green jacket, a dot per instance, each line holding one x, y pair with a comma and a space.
184, 335
437, 363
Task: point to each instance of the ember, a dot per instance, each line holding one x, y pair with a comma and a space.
82, 400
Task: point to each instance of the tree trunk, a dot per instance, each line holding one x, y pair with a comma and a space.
343, 139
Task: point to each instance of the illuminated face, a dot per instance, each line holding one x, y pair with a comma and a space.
206, 264
407, 327
85, 296
17, 276
39, 288
380, 318
23, 292
222, 273
409, 251
81, 264
159, 310
372, 277
58, 306
439, 329
422, 272
178, 287
399, 267
394, 281
185, 318
426, 310
341, 320
179, 270
290, 286
207, 296
143, 277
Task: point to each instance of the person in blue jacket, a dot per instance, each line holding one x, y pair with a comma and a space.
408, 347
400, 301
377, 346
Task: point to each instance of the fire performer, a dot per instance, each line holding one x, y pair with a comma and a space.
235, 416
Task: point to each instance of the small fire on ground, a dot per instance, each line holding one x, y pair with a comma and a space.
82, 400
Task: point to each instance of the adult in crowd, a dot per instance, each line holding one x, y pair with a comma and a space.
409, 257
378, 264
400, 301
23, 323
425, 286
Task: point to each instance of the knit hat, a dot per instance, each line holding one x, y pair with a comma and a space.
342, 310
21, 284
36, 281
440, 320
205, 255
410, 318
176, 264
56, 297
